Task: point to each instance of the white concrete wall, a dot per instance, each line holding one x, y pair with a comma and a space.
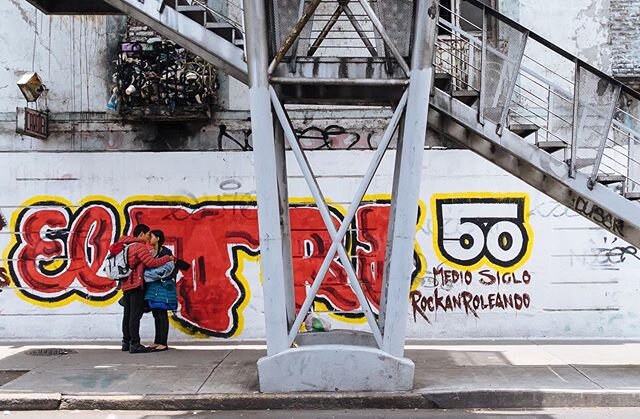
69, 53
580, 27
566, 277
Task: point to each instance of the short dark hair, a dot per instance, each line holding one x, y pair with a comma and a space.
141, 229
160, 235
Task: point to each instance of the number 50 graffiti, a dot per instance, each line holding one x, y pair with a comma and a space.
472, 229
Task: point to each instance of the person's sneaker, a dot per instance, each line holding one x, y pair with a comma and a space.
125, 346
136, 348
182, 265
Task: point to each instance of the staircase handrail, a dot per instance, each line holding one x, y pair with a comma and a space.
545, 42
219, 15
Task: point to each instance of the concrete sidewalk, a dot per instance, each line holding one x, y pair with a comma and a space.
452, 374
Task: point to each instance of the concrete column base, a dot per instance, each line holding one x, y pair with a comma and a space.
331, 367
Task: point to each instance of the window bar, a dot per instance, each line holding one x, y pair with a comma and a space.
574, 127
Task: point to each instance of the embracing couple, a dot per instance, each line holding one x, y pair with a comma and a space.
151, 284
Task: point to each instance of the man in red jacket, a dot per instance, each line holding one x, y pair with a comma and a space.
138, 257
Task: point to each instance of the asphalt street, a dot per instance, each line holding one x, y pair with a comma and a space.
565, 413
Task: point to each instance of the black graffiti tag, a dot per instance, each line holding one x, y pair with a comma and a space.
598, 215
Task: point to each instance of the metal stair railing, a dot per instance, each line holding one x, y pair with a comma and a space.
236, 22
522, 82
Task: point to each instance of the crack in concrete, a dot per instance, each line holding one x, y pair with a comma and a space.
23, 12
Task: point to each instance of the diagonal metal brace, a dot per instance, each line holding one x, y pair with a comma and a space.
385, 36
361, 33
294, 34
325, 214
357, 199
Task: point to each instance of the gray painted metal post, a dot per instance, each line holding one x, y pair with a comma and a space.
483, 70
407, 173
392, 216
633, 165
283, 195
574, 126
270, 211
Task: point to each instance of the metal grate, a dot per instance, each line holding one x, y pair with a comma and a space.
50, 352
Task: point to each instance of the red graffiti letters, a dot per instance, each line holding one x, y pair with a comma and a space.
208, 237
59, 251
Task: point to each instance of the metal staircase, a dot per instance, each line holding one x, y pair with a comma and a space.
476, 77
540, 113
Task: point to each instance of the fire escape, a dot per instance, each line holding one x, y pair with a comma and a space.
487, 83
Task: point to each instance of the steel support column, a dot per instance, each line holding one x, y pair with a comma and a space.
273, 211
283, 196
408, 170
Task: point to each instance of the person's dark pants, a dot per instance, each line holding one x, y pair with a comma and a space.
133, 310
162, 326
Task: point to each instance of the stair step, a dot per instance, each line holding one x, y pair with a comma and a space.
609, 179
218, 25
552, 146
523, 130
585, 162
468, 97
227, 31
442, 81
632, 196
189, 8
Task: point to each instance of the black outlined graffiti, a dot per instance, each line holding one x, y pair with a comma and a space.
487, 227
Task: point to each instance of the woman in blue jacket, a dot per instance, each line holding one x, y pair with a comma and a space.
160, 291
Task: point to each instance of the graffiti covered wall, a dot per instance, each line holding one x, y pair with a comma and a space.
493, 257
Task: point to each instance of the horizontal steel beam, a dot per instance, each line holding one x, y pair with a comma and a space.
338, 81
337, 67
75, 7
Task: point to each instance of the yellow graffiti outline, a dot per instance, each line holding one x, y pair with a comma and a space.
242, 255
14, 242
178, 200
484, 261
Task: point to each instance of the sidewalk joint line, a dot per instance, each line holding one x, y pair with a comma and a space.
212, 370
585, 376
